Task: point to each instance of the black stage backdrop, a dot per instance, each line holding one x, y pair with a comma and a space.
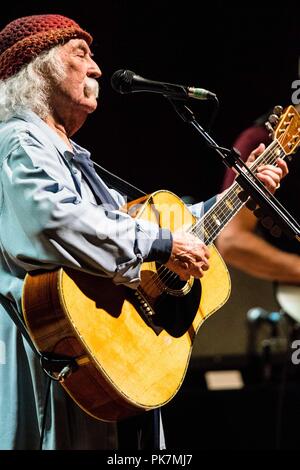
247, 55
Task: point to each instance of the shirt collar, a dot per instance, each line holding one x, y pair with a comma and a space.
30, 116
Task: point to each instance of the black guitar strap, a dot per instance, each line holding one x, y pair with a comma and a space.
49, 363
124, 187
16, 318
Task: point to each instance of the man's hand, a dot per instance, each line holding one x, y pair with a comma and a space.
189, 256
270, 175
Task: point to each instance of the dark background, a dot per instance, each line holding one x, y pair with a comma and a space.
248, 56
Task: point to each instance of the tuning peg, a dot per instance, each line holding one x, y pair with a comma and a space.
273, 119
278, 110
269, 129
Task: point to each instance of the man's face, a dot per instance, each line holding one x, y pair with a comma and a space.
79, 86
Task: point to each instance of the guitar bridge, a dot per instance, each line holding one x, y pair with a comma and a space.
146, 311
144, 305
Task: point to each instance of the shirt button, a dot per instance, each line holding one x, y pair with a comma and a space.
75, 171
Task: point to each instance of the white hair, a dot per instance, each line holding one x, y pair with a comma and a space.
31, 86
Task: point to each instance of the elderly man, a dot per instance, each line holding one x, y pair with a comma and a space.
53, 215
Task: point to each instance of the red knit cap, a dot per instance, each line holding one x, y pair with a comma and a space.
25, 38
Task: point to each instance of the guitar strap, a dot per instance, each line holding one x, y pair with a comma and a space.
49, 363
122, 186
15, 316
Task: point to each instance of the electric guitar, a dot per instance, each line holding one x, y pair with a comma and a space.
132, 347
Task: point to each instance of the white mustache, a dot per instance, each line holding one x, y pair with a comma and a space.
91, 87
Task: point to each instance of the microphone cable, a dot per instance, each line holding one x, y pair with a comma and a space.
63, 367
214, 113
45, 408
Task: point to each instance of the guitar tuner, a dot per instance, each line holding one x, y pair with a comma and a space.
278, 110
273, 119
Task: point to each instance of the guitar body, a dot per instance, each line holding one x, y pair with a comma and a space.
132, 347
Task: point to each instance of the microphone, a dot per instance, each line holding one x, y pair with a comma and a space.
126, 81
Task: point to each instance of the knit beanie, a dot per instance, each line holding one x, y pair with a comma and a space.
25, 38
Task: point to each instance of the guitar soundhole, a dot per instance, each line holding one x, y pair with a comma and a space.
171, 280
175, 314
171, 283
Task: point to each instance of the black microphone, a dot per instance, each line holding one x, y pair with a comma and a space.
126, 81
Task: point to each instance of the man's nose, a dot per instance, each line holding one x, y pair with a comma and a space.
94, 71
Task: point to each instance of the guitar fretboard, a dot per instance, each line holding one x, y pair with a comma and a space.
208, 227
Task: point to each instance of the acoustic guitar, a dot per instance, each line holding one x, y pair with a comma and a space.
132, 347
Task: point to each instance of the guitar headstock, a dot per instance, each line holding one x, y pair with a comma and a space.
284, 126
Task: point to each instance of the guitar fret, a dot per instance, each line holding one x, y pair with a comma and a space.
216, 220
229, 204
210, 225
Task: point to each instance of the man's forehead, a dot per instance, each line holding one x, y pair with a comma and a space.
77, 43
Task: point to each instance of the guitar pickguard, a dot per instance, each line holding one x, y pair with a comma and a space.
168, 312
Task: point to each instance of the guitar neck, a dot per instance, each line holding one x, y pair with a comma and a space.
208, 227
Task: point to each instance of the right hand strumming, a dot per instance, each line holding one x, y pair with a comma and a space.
189, 256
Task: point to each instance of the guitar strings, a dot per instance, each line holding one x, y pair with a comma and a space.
220, 211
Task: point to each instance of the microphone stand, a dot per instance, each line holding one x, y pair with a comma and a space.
246, 178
